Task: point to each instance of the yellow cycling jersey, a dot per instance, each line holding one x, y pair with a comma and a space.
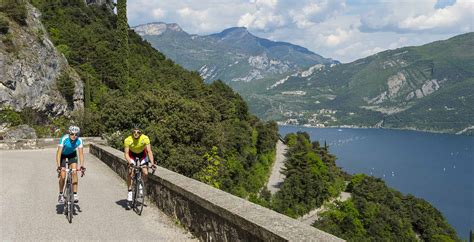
136, 145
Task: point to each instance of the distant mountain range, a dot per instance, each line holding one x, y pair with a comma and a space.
429, 87
233, 55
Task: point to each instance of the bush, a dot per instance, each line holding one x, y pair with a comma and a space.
66, 87
15, 9
8, 115
8, 41
4, 25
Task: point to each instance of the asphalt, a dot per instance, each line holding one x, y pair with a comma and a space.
29, 210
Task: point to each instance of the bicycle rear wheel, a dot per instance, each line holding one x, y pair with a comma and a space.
138, 196
70, 201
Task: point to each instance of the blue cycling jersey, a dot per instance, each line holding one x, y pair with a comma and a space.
69, 146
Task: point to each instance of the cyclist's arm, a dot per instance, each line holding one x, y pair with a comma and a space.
58, 156
81, 157
150, 154
127, 157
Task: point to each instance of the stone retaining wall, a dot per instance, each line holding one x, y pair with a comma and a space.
23, 144
211, 214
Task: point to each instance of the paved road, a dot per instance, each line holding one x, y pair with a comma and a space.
29, 210
276, 178
313, 215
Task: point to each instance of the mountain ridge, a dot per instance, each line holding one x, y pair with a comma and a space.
381, 90
231, 55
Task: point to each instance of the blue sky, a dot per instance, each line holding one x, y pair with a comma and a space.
344, 30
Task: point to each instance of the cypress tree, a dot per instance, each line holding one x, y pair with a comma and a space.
123, 50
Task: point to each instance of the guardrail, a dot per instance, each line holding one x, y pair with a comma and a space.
22, 144
211, 214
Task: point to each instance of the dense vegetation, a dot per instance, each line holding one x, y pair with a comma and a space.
15, 10
201, 131
374, 212
378, 213
311, 177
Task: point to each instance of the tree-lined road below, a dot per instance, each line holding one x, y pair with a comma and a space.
276, 178
29, 209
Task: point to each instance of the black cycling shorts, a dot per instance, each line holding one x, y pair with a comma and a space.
69, 158
142, 157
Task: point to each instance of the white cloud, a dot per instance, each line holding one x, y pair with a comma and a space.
266, 3
316, 12
338, 29
261, 20
158, 13
421, 16
337, 37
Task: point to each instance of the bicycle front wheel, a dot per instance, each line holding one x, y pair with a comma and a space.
70, 202
138, 196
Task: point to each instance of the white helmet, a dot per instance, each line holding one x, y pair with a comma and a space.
74, 129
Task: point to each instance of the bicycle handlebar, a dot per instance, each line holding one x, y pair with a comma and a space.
72, 170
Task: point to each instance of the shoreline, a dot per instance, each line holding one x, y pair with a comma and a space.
384, 128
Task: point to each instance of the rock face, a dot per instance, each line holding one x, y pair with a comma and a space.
20, 132
108, 3
30, 67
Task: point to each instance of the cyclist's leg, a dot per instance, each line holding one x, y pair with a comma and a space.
130, 174
62, 175
73, 165
144, 169
129, 179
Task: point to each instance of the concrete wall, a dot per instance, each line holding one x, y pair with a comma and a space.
211, 214
23, 144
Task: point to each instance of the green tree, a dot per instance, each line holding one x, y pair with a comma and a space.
15, 9
123, 49
4, 25
210, 173
66, 87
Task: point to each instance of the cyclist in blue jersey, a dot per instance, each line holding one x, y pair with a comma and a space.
69, 147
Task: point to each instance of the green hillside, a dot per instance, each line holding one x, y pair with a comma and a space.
199, 130
374, 212
426, 87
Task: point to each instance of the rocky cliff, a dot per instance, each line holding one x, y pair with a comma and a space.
30, 66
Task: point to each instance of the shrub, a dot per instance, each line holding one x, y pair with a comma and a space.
15, 9
66, 87
8, 115
4, 25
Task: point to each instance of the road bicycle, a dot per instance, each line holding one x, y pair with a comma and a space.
138, 187
69, 194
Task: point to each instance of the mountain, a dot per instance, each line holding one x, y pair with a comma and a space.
232, 55
428, 87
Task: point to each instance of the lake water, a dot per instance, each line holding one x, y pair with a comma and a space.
436, 167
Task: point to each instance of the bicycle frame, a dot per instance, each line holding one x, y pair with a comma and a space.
68, 193
138, 197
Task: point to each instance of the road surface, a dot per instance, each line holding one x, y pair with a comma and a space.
276, 178
29, 210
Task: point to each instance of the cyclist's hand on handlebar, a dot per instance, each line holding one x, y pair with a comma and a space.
83, 171
58, 169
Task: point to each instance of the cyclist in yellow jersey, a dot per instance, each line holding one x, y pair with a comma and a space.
137, 145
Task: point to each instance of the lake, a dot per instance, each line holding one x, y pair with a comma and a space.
436, 167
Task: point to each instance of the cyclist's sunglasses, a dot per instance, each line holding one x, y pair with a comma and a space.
73, 134
136, 132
